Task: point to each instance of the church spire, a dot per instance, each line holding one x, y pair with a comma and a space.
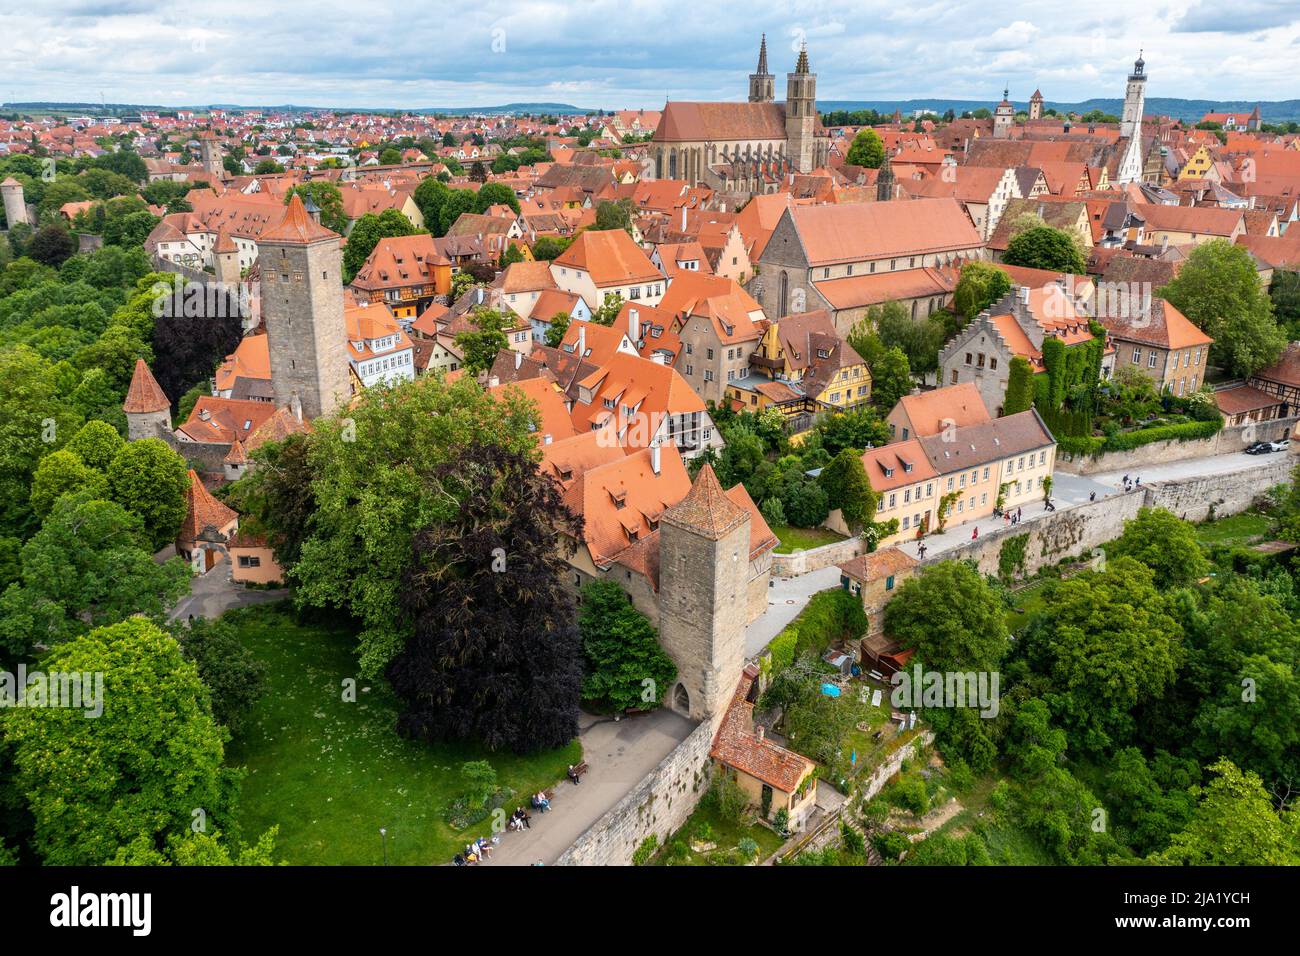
802, 65
762, 85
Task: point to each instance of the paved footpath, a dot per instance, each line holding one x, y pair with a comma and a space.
618, 754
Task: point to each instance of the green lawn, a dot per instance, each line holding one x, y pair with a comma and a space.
1028, 600
1249, 527
803, 539
706, 825
331, 773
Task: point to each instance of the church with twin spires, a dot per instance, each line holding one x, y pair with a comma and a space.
745, 148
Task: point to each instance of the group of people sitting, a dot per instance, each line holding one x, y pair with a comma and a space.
476, 852
521, 819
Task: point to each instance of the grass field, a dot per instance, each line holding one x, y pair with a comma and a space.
331, 773
802, 539
1249, 527
706, 825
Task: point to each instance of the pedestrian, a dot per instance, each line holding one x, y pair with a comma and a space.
1126, 479
1092, 496
975, 533
1139, 481
1020, 512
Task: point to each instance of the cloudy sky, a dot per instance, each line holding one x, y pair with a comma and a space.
633, 53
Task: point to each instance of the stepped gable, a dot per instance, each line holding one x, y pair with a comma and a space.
144, 394
706, 509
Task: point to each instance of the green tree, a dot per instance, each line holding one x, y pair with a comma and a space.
952, 618
480, 347
1164, 543
1218, 288
1108, 644
1234, 824
233, 675
89, 565
981, 284
847, 488
626, 668
614, 214
1046, 248
494, 194
139, 771
61, 472
867, 149
555, 331
150, 480
375, 482
1020, 387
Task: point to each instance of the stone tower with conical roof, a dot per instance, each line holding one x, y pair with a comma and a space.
148, 411
762, 84
801, 115
703, 596
14, 203
1036, 105
302, 309
210, 155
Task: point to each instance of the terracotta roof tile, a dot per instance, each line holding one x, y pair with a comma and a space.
144, 394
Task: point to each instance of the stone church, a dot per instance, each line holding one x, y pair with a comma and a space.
745, 148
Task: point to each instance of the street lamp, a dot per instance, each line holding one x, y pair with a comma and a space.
383, 832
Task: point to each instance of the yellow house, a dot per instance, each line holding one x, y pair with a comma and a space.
1199, 166
772, 777
801, 360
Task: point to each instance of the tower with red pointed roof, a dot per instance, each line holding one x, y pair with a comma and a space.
225, 253
302, 308
1036, 105
704, 547
148, 410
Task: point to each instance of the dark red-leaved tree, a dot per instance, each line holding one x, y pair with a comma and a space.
496, 656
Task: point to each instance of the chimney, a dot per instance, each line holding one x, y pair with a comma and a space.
654, 458
683, 218
519, 359
582, 340
760, 732
1024, 294
633, 324
493, 381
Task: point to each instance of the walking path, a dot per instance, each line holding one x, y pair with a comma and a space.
618, 754
212, 594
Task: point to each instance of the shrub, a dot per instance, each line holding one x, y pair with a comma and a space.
782, 821
910, 794
728, 798
891, 845
748, 849
645, 851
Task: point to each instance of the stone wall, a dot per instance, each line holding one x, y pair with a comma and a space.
1076, 532
1197, 499
658, 805
1231, 439
814, 559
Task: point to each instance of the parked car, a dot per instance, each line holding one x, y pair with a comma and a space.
1260, 448
1282, 445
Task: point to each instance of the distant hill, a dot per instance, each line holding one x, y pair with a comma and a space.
1280, 111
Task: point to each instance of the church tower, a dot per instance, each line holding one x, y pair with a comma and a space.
1036, 105
703, 596
762, 84
885, 180
1130, 123
801, 114
1004, 117
302, 309
210, 155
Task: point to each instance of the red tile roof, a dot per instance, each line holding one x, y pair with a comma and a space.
144, 394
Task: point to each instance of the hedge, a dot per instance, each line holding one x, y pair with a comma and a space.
830, 615
1096, 445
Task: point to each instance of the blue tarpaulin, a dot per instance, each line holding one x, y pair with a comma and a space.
830, 690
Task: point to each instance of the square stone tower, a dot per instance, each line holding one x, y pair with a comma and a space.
801, 114
703, 596
302, 308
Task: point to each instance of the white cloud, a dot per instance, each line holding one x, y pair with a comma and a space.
615, 53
